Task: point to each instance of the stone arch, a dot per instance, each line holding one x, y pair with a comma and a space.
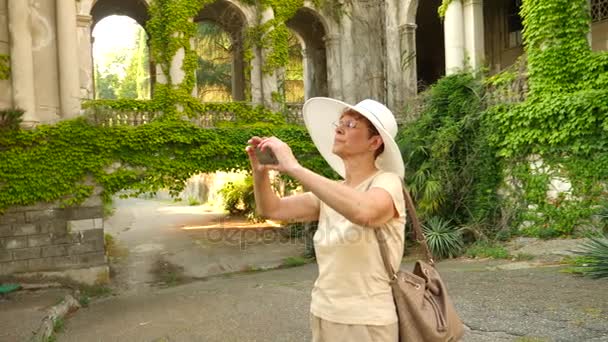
135, 9
411, 10
233, 19
430, 46
311, 28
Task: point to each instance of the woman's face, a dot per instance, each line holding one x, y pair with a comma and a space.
353, 136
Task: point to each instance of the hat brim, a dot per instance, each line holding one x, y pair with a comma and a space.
319, 114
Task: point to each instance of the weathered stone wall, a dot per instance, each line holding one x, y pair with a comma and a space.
6, 97
599, 36
45, 238
363, 51
46, 71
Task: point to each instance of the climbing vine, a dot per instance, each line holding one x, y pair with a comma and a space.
171, 27
443, 8
5, 67
63, 161
563, 123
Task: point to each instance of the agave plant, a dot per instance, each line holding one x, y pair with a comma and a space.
593, 258
443, 239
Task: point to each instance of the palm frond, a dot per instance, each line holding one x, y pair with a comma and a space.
443, 239
593, 261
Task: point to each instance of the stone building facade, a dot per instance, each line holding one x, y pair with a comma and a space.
387, 50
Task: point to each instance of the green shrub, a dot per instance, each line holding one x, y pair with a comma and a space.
193, 201
239, 198
592, 260
443, 240
451, 170
11, 118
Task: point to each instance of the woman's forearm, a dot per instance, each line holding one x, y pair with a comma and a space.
350, 203
266, 201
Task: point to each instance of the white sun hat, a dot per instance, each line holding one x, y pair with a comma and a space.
319, 114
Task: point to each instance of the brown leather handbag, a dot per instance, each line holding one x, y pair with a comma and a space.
425, 311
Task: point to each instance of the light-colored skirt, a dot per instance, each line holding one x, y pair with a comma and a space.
326, 331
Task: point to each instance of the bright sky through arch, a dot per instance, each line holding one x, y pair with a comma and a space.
113, 35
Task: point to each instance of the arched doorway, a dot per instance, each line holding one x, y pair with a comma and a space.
213, 47
127, 20
308, 26
430, 47
120, 59
231, 20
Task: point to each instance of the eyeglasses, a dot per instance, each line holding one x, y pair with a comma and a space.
345, 123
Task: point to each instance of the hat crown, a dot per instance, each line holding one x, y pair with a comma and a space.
381, 116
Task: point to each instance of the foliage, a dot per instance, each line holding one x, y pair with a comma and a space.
126, 72
214, 65
593, 258
450, 170
106, 85
239, 198
46, 165
443, 239
295, 262
562, 124
170, 28
443, 8
488, 249
5, 67
10, 118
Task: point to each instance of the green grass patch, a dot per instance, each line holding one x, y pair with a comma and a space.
487, 249
295, 261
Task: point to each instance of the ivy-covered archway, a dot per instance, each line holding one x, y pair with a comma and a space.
309, 27
233, 21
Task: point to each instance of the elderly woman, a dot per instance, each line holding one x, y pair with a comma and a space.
351, 298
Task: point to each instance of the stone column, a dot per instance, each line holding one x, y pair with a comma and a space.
85, 59
238, 76
334, 78
257, 96
474, 32
407, 61
454, 37
22, 59
347, 64
308, 73
194, 92
67, 46
393, 50
269, 78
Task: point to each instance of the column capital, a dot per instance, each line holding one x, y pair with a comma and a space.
472, 2
406, 28
329, 39
84, 20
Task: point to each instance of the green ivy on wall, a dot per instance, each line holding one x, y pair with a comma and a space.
46, 165
51, 163
171, 28
563, 121
5, 67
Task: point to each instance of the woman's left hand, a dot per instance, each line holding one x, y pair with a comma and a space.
287, 161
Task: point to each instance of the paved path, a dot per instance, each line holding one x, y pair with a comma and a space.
21, 313
511, 304
150, 233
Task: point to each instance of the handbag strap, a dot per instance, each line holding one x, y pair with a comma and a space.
420, 238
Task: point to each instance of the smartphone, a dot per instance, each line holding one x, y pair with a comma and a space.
266, 156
